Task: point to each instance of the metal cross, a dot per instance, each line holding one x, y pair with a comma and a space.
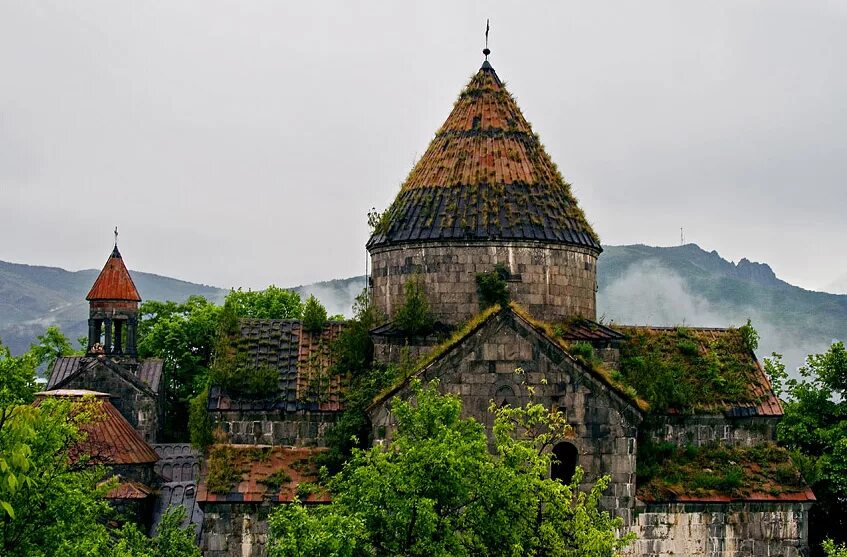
116, 236
486, 51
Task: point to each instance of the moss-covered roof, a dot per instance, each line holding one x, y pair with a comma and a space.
485, 176
667, 472
256, 473
690, 370
302, 360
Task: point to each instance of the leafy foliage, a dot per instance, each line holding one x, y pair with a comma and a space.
814, 429
187, 335
352, 350
314, 315
413, 317
52, 499
437, 490
833, 550
353, 358
183, 335
749, 335
199, 421
52, 345
270, 303
492, 287
171, 540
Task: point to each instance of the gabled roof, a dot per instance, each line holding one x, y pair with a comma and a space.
110, 438
147, 376
302, 359
130, 489
714, 366
485, 176
546, 333
114, 282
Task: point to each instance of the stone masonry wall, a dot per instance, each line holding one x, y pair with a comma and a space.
303, 429
721, 530
234, 530
394, 350
702, 430
141, 409
482, 368
552, 282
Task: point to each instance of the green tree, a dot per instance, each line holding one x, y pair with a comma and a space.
51, 499
183, 335
352, 352
186, 334
55, 506
314, 315
814, 429
437, 490
52, 345
492, 287
413, 317
270, 303
171, 539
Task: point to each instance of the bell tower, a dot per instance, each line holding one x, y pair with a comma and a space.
113, 310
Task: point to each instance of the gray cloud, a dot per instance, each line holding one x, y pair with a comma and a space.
241, 144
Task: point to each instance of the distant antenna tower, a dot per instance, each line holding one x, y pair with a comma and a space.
681, 237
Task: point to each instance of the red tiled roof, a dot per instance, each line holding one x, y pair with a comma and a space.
806, 494
110, 438
296, 463
485, 176
114, 282
130, 489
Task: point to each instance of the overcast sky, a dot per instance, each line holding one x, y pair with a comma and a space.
242, 143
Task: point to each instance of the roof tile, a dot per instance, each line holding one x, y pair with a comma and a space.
114, 282
485, 166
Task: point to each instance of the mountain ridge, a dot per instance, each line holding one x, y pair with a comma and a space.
637, 284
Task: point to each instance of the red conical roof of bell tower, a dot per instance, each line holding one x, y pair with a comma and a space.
114, 282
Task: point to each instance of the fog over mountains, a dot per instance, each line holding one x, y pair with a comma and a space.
637, 285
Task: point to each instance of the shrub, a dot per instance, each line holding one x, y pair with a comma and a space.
314, 315
492, 287
199, 421
750, 336
223, 470
583, 351
413, 317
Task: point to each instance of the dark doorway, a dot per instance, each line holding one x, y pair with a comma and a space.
564, 462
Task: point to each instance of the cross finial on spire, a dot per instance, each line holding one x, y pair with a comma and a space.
485, 50
116, 236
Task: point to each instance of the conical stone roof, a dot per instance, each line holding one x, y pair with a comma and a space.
114, 282
485, 176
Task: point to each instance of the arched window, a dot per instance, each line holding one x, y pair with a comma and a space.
564, 462
505, 395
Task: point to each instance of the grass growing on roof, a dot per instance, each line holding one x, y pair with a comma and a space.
667, 471
227, 465
437, 351
688, 370
584, 353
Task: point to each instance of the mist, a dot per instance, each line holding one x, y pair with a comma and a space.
649, 293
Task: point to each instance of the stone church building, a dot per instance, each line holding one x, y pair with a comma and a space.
681, 419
